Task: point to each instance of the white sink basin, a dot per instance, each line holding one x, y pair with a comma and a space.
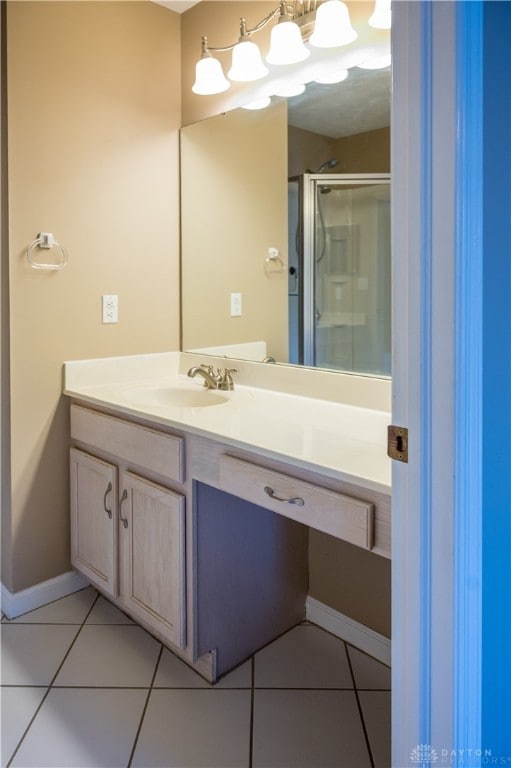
176, 397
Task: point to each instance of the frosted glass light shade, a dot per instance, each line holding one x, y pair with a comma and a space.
377, 62
332, 76
209, 77
333, 26
381, 16
289, 90
258, 104
247, 64
286, 46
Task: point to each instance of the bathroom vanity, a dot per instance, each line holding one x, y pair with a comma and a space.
190, 508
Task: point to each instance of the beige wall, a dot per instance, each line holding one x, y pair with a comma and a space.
93, 118
308, 150
234, 207
364, 152
367, 152
350, 580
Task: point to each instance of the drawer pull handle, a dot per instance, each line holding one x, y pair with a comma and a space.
108, 490
124, 520
294, 500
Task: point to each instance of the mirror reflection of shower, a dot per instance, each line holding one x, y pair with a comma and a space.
295, 292
327, 165
339, 284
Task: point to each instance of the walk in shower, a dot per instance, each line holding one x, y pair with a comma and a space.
339, 271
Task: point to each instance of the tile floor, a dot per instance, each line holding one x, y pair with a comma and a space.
85, 687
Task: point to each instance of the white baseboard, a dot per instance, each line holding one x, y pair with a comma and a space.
353, 632
16, 603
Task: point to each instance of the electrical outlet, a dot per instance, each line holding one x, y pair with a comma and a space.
235, 304
110, 308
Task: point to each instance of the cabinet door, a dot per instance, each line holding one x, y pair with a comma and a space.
152, 528
94, 531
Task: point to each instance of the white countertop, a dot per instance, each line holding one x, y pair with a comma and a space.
346, 442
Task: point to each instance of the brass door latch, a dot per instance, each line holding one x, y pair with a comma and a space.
397, 443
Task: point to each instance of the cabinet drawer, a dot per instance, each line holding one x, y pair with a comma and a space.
132, 443
334, 513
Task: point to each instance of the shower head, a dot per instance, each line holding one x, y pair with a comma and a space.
324, 166
327, 165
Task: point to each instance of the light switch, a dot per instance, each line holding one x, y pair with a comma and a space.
235, 304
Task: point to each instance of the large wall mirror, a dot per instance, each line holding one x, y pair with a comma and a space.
286, 229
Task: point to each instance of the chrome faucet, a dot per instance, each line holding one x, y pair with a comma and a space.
220, 380
211, 380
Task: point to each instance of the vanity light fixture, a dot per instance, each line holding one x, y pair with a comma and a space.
322, 23
377, 62
209, 75
290, 90
331, 77
381, 16
286, 46
333, 27
247, 64
258, 103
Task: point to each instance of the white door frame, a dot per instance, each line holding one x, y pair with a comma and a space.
437, 337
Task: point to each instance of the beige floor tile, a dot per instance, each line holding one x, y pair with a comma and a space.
83, 728
305, 657
308, 729
71, 609
188, 723
240, 677
195, 729
32, 653
174, 673
105, 612
368, 672
18, 708
110, 656
377, 717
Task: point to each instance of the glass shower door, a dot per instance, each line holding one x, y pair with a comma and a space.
347, 312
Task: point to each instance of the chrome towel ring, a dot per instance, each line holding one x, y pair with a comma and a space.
46, 241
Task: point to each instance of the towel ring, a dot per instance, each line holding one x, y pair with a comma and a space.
45, 240
273, 264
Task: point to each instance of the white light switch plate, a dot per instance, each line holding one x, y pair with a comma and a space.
235, 304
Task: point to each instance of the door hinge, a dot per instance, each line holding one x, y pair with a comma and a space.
397, 443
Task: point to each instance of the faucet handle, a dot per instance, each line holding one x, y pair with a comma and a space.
227, 383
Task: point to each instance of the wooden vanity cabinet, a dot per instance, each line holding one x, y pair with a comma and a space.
214, 560
128, 531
